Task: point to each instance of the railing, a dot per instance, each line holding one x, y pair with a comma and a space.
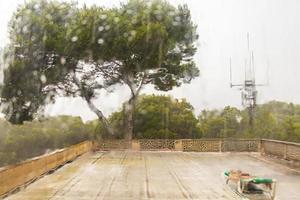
281, 149
13, 176
114, 144
199, 145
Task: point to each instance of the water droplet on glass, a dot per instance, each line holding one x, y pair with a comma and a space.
28, 11
100, 28
171, 13
103, 17
62, 60
133, 32
49, 17
129, 11
116, 19
25, 29
107, 27
125, 34
43, 78
36, 6
27, 103
100, 41
159, 17
74, 39
186, 36
175, 23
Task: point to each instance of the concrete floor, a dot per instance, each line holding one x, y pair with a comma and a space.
155, 175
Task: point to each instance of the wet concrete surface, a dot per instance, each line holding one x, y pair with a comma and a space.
156, 175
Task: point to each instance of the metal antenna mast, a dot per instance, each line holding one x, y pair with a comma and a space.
248, 87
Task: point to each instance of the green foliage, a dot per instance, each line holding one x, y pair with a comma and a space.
56, 47
37, 37
19, 142
160, 117
273, 120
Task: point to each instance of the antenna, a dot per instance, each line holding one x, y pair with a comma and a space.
268, 72
230, 72
252, 67
248, 86
248, 43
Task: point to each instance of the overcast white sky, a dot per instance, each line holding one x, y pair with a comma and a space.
274, 27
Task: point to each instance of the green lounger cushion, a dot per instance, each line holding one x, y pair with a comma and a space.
262, 180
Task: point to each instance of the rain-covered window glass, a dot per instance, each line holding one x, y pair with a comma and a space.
136, 92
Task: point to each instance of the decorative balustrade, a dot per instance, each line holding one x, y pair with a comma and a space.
199, 145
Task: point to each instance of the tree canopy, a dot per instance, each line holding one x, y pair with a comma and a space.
60, 48
160, 117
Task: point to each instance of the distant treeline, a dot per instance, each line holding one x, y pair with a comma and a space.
19, 142
165, 117
155, 117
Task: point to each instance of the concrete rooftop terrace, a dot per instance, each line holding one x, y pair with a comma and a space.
156, 175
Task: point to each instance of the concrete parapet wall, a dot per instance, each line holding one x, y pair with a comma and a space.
11, 177
281, 149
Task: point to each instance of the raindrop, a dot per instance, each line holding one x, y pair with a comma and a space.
27, 103
125, 34
116, 19
129, 11
74, 39
28, 11
159, 17
33, 38
84, 22
171, 13
107, 27
100, 41
19, 92
100, 61
157, 12
35, 73
177, 18
176, 23
49, 17
103, 17
25, 29
134, 21
36, 6
62, 60
43, 79
100, 28
186, 36
133, 32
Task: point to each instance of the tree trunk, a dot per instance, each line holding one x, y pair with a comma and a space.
101, 117
129, 118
